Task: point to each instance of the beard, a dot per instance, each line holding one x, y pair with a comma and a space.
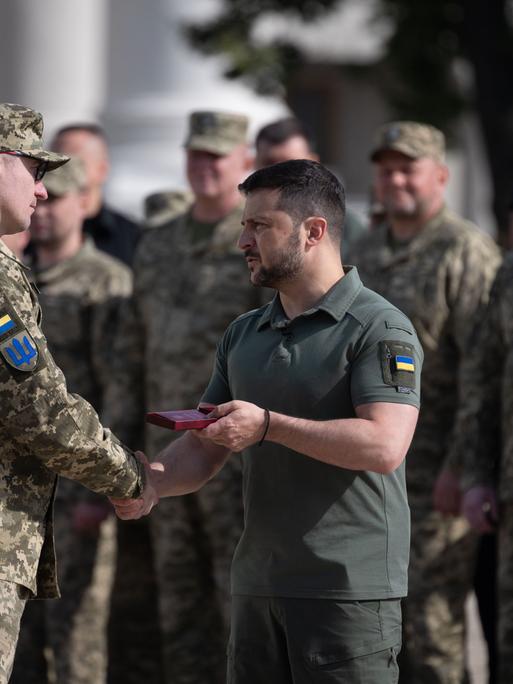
404, 209
410, 207
285, 266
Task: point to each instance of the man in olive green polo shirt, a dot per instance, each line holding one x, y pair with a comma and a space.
319, 390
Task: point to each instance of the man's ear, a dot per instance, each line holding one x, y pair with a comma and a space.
249, 163
316, 228
83, 199
443, 174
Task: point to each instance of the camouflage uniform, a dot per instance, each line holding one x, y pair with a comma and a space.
485, 436
162, 207
440, 280
189, 283
80, 299
45, 431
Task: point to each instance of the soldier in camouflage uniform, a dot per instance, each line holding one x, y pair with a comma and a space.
80, 291
485, 444
45, 431
162, 207
111, 231
189, 283
437, 268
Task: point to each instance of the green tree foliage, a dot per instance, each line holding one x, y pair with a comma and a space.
266, 67
430, 41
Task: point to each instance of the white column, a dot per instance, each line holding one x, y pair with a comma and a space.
154, 80
53, 55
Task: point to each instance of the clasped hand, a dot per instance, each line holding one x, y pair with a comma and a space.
132, 509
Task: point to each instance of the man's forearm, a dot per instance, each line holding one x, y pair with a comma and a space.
352, 443
186, 465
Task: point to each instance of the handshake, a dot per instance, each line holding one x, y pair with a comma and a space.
188, 463
132, 509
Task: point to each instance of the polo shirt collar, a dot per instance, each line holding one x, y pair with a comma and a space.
336, 302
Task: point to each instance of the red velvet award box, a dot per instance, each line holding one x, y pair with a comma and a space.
189, 419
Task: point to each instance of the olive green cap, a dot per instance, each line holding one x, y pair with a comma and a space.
21, 130
410, 138
70, 177
161, 207
216, 132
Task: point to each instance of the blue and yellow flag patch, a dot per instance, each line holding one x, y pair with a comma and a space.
6, 323
398, 364
405, 363
17, 347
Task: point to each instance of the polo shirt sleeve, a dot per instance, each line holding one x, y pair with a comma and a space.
218, 390
387, 361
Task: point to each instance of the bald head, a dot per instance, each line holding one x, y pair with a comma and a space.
88, 143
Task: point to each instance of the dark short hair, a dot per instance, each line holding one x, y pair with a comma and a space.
306, 189
282, 130
79, 127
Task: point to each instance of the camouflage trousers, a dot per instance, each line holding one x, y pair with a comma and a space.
64, 640
134, 636
13, 598
440, 576
505, 594
194, 538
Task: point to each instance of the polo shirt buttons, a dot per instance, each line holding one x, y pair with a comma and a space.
282, 353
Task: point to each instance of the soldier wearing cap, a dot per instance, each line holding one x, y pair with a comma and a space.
80, 291
438, 269
45, 430
111, 231
189, 282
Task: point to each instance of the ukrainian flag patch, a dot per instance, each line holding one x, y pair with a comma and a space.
405, 363
398, 364
6, 323
17, 347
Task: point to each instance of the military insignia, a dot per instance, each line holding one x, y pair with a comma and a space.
20, 351
6, 323
392, 134
404, 363
205, 121
398, 365
10, 324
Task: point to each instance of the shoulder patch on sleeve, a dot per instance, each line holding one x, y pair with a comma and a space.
17, 346
9, 323
398, 364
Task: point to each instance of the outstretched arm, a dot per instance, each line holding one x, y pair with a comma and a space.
183, 467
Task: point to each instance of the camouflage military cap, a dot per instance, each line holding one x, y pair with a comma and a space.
68, 178
21, 130
412, 139
161, 207
216, 132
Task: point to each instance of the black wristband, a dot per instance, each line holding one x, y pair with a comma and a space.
266, 426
